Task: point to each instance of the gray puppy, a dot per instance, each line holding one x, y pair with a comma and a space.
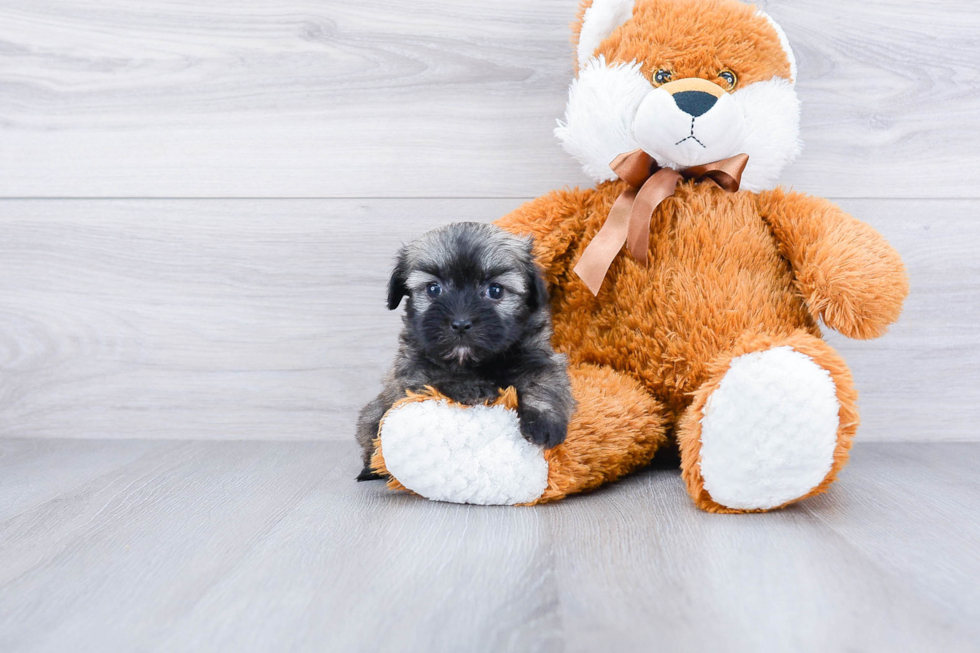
477, 319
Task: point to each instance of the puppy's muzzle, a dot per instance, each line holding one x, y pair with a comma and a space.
461, 325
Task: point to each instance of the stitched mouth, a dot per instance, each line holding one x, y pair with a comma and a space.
692, 137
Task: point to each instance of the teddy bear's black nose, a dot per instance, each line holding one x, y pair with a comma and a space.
694, 103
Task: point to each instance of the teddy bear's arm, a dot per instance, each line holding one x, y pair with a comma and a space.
848, 274
554, 220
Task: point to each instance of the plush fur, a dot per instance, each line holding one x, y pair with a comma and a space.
615, 105
692, 421
597, 455
597, 21
449, 451
734, 281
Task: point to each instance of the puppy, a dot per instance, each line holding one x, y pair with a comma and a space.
476, 320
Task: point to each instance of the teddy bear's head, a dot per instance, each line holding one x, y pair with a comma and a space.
688, 81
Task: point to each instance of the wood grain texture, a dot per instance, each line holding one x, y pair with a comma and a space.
431, 98
266, 319
251, 546
941, 522
232, 319
27, 480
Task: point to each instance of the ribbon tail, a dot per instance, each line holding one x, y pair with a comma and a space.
605, 246
656, 189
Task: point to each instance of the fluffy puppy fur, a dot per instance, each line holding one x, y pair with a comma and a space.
477, 321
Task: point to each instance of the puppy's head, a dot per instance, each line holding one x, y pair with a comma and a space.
472, 291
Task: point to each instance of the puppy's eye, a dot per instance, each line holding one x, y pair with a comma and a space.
662, 76
433, 290
730, 79
495, 291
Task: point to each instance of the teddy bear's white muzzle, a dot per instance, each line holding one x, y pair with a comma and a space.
688, 128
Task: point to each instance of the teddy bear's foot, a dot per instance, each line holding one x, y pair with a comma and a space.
476, 454
772, 426
462, 454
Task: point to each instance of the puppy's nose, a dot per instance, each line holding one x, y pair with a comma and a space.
694, 103
461, 326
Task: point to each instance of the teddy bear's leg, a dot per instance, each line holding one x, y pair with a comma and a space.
616, 428
477, 454
445, 451
772, 424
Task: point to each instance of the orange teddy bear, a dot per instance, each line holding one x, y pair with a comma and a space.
685, 287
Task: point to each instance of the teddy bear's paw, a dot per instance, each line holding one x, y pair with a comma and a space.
462, 454
769, 431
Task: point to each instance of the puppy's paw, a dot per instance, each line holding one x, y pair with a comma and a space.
543, 428
471, 393
368, 474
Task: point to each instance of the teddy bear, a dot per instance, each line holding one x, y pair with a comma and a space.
686, 286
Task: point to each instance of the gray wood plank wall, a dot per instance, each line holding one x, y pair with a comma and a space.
199, 202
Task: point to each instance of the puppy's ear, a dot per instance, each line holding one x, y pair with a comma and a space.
537, 289
397, 287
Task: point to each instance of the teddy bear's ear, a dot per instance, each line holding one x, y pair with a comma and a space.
783, 41
598, 19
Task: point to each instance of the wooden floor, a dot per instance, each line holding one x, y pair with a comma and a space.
137, 545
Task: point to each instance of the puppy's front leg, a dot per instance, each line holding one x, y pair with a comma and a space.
469, 391
545, 403
369, 421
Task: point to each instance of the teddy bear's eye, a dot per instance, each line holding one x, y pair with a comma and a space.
730, 78
662, 76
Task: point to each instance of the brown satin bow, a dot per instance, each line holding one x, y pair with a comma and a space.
629, 218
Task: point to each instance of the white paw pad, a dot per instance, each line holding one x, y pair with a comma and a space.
463, 455
769, 430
